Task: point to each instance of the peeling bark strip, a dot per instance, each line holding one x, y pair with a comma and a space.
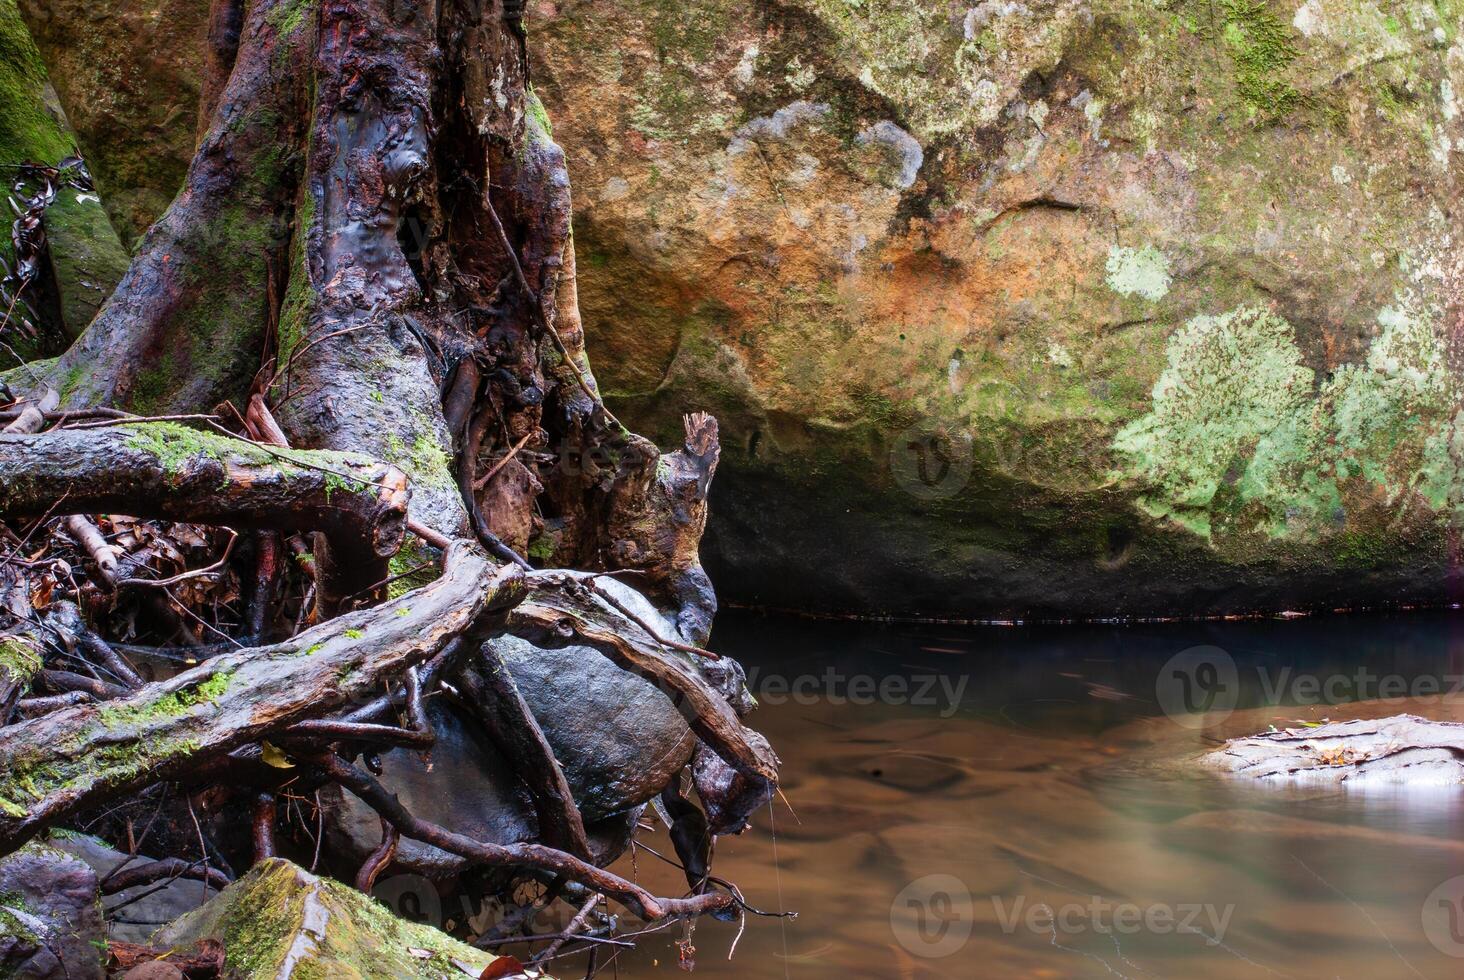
53, 766
162, 470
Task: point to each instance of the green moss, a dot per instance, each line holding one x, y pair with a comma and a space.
334, 481
538, 113
28, 131
1261, 47
174, 445
353, 634
154, 384
407, 569
262, 921
542, 547
19, 659
171, 705
426, 462
289, 15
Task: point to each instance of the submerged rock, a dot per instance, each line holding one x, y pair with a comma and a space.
50, 919
281, 921
1403, 749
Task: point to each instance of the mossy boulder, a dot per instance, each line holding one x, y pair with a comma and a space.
1056, 308
281, 921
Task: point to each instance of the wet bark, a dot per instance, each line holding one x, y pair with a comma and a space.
372, 263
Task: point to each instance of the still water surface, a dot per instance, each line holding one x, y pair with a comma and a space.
1040, 779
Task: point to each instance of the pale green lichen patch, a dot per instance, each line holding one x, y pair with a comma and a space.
1142, 271
1235, 422
19, 659
1231, 380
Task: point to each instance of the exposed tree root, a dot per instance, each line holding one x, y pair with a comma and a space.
369, 279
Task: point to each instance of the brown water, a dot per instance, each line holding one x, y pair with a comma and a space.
1057, 803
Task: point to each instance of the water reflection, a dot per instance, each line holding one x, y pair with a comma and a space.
1020, 806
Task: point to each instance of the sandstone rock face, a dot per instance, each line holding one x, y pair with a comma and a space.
1053, 307
87, 259
128, 73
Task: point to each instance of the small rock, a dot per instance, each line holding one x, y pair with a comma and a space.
142, 916
50, 919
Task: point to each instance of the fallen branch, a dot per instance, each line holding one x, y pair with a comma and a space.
162, 470
529, 856
53, 766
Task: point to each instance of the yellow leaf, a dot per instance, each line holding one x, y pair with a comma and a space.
274, 756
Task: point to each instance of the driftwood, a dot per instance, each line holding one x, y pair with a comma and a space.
1399, 749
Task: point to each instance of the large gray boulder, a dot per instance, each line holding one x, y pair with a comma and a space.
464, 784
618, 739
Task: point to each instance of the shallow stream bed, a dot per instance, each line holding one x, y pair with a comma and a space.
1020, 802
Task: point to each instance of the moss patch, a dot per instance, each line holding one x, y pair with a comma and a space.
279, 914
170, 705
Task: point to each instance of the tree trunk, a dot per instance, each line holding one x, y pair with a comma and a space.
371, 261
